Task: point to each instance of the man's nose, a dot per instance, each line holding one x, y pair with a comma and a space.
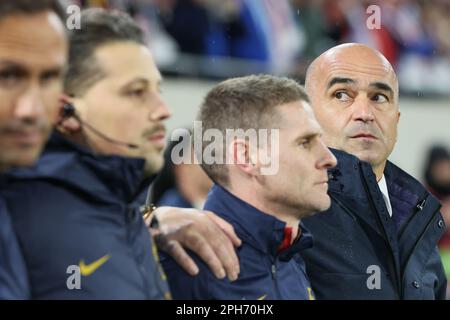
159, 110
29, 105
326, 160
362, 110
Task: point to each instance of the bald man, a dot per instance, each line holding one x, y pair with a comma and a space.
378, 239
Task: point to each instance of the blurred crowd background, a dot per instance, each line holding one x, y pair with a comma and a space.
224, 38
199, 42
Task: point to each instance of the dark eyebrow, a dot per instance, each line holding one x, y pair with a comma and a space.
20, 69
10, 65
53, 71
382, 86
337, 80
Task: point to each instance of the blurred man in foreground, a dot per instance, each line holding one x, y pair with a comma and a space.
33, 54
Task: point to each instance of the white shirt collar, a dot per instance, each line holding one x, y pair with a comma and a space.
384, 190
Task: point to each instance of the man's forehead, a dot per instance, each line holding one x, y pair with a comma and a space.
300, 117
33, 41
311, 120
127, 60
353, 61
39, 29
359, 70
359, 81
359, 67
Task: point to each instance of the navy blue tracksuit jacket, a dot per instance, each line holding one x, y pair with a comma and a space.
266, 273
13, 275
360, 252
75, 210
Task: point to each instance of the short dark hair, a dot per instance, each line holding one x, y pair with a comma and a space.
98, 27
245, 103
12, 7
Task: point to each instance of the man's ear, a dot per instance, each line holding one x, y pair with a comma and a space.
67, 124
243, 156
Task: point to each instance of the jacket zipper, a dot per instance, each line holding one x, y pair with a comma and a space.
273, 271
398, 277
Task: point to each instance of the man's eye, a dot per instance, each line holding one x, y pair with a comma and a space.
380, 98
341, 95
138, 93
9, 76
48, 76
305, 144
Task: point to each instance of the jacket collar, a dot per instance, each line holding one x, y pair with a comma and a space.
345, 177
73, 165
354, 188
401, 183
262, 230
353, 185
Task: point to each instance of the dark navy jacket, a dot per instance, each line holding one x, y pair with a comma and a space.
360, 252
13, 275
265, 273
77, 209
173, 198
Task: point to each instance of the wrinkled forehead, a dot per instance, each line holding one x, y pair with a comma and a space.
364, 66
36, 41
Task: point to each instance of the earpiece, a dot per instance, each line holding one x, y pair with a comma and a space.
68, 111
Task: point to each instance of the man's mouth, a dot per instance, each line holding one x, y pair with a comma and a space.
323, 183
364, 136
24, 137
158, 138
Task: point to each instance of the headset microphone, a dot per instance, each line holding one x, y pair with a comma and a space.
69, 111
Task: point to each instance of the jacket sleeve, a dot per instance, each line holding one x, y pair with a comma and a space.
182, 285
13, 275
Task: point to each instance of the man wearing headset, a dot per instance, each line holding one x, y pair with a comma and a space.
77, 212
32, 57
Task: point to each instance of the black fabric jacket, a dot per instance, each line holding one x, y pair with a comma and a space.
360, 252
75, 209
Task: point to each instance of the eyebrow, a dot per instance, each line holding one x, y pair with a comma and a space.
337, 80
145, 81
138, 80
308, 136
6, 64
55, 70
378, 85
382, 86
130, 83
